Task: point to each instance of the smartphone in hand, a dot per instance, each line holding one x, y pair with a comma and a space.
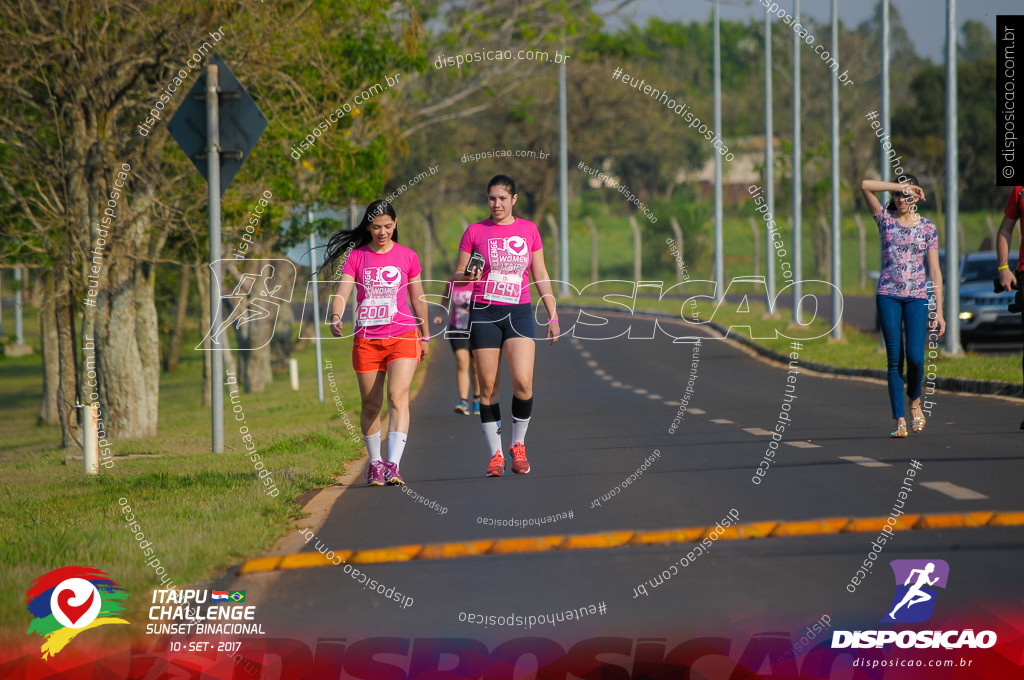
476, 261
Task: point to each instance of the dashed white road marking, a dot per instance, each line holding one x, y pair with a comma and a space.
654, 396
803, 445
960, 493
670, 403
698, 411
585, 354
616, 384
591, 363
721, 421
758, 431
864, 461
640, 390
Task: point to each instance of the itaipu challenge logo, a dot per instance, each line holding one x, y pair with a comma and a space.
69, 600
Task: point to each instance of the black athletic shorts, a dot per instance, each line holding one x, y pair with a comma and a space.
459, 339
491, 325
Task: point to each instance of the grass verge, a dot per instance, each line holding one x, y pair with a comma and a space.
201, 512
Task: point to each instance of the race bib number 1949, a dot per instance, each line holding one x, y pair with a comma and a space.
500, 287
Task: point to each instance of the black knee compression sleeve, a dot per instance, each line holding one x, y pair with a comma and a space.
490, 413
522, 408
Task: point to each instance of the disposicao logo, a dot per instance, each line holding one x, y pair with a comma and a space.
914, 602
67, 601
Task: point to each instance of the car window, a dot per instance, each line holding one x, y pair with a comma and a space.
983, 269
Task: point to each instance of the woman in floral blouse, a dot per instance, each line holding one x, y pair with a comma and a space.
903, 288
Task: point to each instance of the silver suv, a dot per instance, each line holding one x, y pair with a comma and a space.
983, 313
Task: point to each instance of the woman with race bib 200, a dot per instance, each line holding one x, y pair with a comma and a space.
501, 319
389, 341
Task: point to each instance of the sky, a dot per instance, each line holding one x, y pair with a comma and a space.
925, 19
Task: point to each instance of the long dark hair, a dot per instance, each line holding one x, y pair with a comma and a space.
345, 241
905, 179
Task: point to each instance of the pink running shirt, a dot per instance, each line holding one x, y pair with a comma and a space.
382, 284
508, 252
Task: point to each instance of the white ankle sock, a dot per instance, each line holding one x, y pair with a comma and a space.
519, 428
373, 446
492, 431
396, 446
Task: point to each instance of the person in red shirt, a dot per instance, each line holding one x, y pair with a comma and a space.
1007, 278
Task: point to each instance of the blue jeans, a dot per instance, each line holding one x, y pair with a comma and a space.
897, 314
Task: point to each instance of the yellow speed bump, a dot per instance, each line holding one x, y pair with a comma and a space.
511, 546
607, 539
260, 564
444, 551
667, 536
954, 520
304, 561
813, 527
614, 539
1007, 519
402, 553
753, 530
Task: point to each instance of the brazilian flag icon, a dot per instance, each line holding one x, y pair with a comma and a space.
237, 596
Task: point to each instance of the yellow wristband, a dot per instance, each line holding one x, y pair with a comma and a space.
1005, 266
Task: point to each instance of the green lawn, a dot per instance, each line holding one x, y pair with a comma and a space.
201, 511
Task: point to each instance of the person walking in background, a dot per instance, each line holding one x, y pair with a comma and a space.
901, 297
501, 319
457, 299
389, 341
1007, 279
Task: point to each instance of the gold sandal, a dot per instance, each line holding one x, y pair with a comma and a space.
900, 432
917, 421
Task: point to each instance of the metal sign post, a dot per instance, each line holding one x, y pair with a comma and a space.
213, 184
217, 127
316, 308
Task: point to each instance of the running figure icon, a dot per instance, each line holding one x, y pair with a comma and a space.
916, 595
256, 296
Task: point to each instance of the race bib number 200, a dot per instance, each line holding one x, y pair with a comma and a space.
376, 311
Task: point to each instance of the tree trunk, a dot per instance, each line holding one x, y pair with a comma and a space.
67, 386
253, 343
174, 349
48, 412
258, 373
127, 350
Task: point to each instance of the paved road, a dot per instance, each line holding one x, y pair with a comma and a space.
602, 408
